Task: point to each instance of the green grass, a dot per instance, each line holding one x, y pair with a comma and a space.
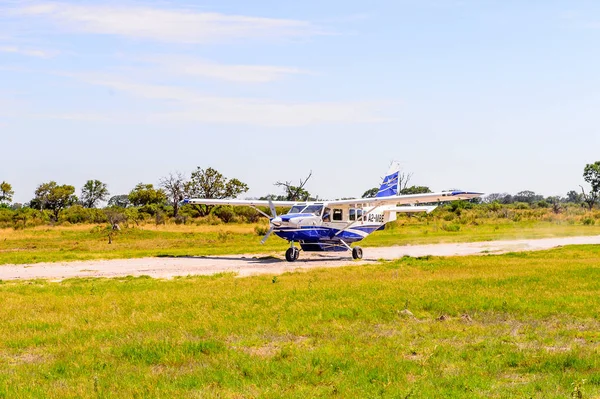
514, 325
83, 242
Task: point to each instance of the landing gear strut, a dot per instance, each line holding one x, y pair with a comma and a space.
357, 253
292, 254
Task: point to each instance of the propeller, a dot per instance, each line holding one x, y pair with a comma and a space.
272, 228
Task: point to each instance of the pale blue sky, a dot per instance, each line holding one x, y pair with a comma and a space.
481, 95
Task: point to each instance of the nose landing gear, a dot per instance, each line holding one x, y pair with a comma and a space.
292, 254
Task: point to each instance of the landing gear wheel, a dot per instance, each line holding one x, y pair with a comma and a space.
357, 253
292, 254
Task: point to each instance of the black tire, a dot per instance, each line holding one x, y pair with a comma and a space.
357, 253
291, 255
296, 253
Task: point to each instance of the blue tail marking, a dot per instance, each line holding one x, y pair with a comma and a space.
389, 186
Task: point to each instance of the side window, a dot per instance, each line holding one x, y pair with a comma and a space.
359, 214
338, 215
327, 215
352, 215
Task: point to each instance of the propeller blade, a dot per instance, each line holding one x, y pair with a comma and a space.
273, 210
267, 235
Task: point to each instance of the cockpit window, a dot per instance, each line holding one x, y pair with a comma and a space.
297, 209
314, 209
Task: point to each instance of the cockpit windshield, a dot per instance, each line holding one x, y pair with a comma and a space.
314, 209
297, 209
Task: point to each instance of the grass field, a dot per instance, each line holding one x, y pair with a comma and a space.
83, 242
514, 325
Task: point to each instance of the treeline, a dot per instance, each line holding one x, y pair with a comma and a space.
53, 203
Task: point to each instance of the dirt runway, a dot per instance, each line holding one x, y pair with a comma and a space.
246, 265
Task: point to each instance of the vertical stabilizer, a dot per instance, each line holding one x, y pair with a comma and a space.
390, 183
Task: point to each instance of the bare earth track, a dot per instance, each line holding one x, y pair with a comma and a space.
246, 265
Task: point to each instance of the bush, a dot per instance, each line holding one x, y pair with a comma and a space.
522, 205
211, 220
451, 227
542, 204
588, 221
261, 230
225, 213
448, 217
248, 215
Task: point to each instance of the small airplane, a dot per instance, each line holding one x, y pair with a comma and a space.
332, 226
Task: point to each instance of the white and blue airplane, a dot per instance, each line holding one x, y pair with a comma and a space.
329, 226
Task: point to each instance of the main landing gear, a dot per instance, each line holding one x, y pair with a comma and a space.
292, 254
357, 253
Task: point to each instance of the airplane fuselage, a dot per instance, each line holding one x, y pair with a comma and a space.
318, 227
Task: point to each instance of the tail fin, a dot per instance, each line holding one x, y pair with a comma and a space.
389, 187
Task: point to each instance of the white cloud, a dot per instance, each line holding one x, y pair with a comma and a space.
166, 25
27, 52
182, 65
191, 106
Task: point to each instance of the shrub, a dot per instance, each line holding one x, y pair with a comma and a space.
451, 227
588, 221
211, 220
261, 230
522, 205
225, 213
248, 215
448, 217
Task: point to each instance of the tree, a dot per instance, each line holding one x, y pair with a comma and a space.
527, 196
370, 193
574, 197
295, 193
122, 201
210, 183
591, 174
415, 190
494, 197
174, 185
146, 194
53, 197
6, 192
93, 191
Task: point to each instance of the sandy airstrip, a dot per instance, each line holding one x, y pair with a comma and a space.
246, 265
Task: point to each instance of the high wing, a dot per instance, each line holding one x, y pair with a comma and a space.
410, 199
234, 202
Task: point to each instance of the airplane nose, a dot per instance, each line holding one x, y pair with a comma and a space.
276, 221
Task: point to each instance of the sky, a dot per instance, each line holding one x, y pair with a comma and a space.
489, 96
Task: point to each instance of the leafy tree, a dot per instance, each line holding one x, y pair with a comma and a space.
507, 199
174, 185
93, 191
146, 194
210, 183
591, 174
574, 197
494, 197
53, 197
415, 190
371, 193
6, 192
121, 201
295, 193
527, 196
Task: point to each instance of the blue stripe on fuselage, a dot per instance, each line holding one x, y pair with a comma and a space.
316, 234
